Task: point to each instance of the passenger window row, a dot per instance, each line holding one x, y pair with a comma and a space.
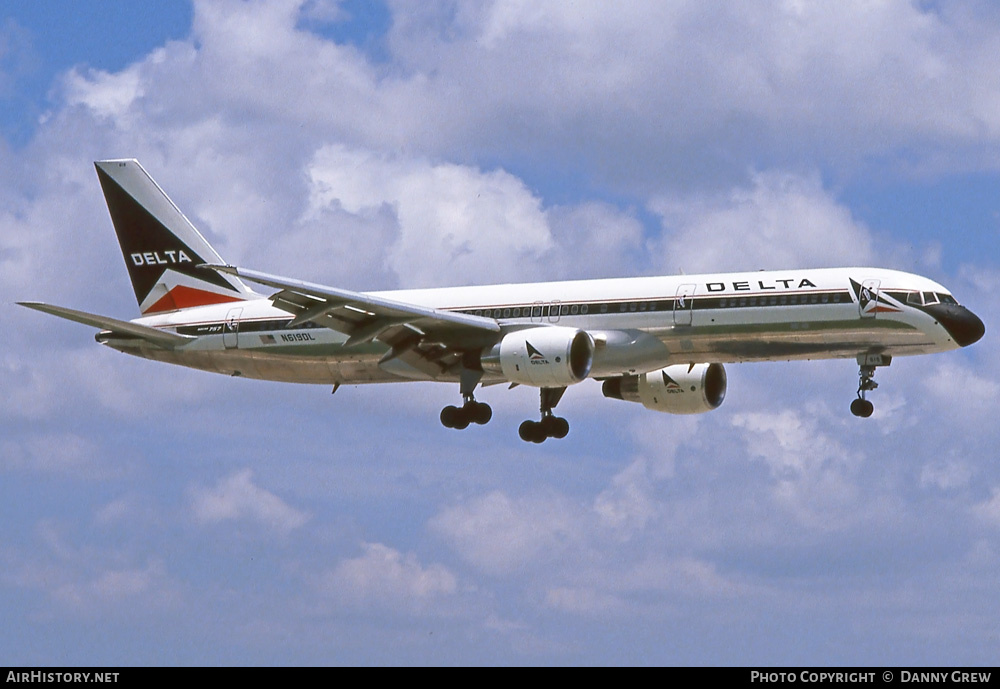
698, 303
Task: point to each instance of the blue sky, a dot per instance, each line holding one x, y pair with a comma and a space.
154, 515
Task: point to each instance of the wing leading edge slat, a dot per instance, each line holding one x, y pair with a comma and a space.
377, 306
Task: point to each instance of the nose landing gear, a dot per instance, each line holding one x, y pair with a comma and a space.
861, 407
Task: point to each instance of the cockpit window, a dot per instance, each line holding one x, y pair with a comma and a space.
929, 298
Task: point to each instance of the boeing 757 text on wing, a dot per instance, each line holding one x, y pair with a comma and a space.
658, 341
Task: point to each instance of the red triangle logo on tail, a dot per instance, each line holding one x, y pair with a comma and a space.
183, 297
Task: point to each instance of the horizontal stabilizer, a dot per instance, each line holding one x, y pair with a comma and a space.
154, 335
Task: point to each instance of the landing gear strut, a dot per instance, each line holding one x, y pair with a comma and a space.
866, 383
471, 411
551, 426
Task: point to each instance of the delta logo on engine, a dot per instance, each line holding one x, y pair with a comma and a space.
670, 385
535, 357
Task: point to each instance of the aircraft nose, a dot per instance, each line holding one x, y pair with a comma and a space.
964, 326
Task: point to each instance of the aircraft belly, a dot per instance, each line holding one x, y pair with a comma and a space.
286, 367
211, 361
320, 367
793, 340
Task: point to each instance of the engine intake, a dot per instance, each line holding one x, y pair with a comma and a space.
542, 357
680, 389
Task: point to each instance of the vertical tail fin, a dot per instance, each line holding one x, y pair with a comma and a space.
161, 247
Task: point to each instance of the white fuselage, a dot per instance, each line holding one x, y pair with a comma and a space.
638, 324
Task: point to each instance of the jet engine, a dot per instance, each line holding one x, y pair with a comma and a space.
546, 357
681, 389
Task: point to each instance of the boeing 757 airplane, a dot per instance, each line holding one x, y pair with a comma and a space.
657, 341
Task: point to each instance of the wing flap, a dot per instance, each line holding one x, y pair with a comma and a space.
158, 337
429, 340
339, 317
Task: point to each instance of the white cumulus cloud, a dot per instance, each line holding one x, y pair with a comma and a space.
783, 220
500, 534
384, 576
238, 498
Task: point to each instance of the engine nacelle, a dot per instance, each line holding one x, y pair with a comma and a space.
546, 357
681, 389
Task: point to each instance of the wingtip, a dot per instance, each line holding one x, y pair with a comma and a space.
220, 268
112, 161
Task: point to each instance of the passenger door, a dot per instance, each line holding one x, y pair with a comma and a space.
683, 305
231, 328
868, 298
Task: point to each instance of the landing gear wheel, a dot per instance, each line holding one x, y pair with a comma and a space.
453, 417
531, 432
449, 415
560, 428
555, 426
862, 407
478, 412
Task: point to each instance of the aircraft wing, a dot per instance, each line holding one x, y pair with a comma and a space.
159, 337
428, 338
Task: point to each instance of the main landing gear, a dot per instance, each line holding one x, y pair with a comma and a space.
471, 411
868, 362
551, 426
